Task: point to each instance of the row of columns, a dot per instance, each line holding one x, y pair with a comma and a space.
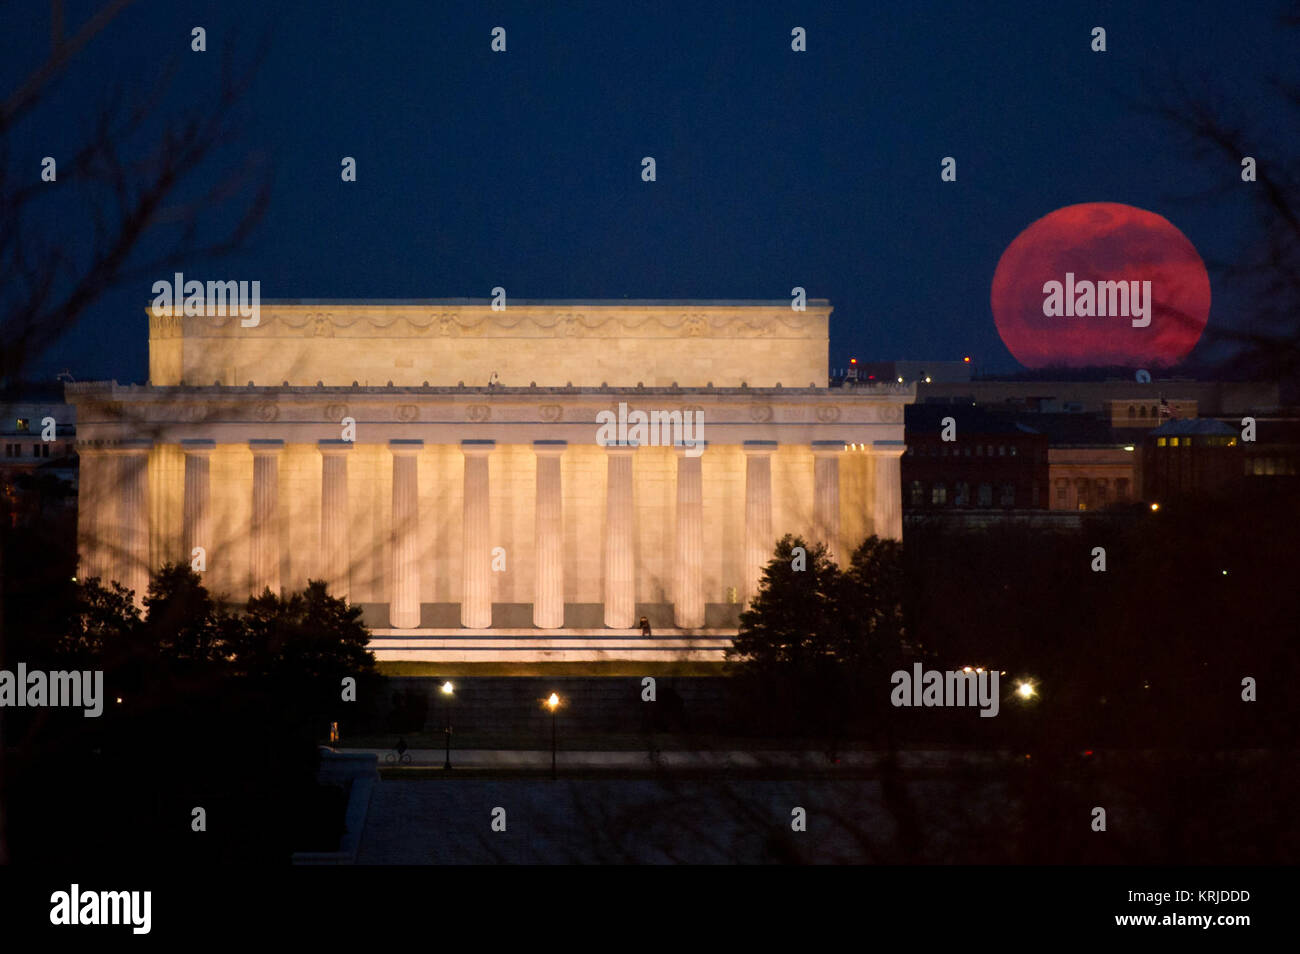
127, 465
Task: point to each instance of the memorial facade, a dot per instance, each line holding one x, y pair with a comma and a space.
445, 465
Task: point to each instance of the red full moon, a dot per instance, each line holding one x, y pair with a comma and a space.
1072, 289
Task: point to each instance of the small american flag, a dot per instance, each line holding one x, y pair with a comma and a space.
1165, 409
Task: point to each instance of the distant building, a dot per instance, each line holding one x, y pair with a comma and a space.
38, 477
994, 462
1091, 465
909, 372
1209, 456
1211, 398
1133, 413
1105, 445
1275, 451
1193, 457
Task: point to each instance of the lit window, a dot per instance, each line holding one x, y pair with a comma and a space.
1013, 450
23, 424
1161, 441
918, 493
939, 494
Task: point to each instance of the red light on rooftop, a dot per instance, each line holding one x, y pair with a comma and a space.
871, 377
853, 360
966, 359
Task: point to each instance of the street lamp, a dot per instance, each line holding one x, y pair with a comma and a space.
553, 703
448, 690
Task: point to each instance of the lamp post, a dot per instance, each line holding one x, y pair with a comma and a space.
553, 703
448, 690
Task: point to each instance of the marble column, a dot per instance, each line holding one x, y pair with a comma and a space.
826, 495
759, 543
197, 526
688, 576
94, 517
476, 541
264, 552
131, 566
404, 598
548, 595
620, 583
887, 489
335, 557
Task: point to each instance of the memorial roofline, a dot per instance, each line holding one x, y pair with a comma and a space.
86, 387
544, 302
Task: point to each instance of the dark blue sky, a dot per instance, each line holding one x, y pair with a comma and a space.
775, 168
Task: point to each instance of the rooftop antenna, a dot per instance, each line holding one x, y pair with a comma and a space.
65, 375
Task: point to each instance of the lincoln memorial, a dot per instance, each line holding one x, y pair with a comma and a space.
442, 464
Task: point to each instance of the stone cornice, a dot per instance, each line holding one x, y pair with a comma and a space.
483, 406
436, 320
888, 390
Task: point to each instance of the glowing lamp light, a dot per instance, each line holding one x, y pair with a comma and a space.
853, 360
1129, 448
966, 359
1155, 507
447, 688
1025, 690
552, 702
900, 379
927, 379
